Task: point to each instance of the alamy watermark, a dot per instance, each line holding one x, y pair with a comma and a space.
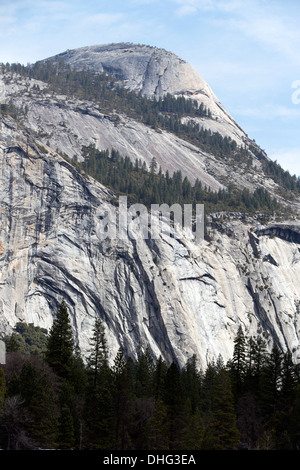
136, 221
296, 93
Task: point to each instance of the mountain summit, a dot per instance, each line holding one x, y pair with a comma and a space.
155, 74
152, 72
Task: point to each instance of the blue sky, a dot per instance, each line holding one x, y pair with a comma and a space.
247, 50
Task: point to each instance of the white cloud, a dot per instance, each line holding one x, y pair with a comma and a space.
278, 34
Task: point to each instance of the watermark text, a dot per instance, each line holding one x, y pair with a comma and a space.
136, 221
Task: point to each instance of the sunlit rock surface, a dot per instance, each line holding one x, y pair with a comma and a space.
175, 296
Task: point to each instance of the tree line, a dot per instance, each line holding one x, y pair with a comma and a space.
152, 186
52, 397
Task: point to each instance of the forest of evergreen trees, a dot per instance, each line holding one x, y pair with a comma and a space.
154, 187
52, 397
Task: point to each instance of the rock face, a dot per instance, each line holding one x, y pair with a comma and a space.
153, 72
178, 297
66, 124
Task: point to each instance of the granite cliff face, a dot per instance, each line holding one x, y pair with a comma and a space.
177, 296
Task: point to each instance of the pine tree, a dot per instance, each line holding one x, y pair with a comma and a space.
60, 346
175, 401
98, 358
238, 363
191, 381
153, 165
249, 421
256, 360
158, 427
78, 373
194, 432
158, 377
68, 416
271, 383
66, 437
124, 400
207, 391
144, 370
36, 389
99, 405
224, 433
289, 379
286, 402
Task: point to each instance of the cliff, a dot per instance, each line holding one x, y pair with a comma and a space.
178, 296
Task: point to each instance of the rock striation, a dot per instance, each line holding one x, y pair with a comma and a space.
175, 296
178, 297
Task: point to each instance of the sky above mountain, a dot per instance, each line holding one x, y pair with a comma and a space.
247, 50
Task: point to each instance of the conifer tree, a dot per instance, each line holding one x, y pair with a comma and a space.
158, 377
60, 346
256, 357
224, 433
144, 370
78, 373
98, 358
66, 437
271, 383
207, 391
175, 401
288, 379
194, 432
158, 427
68, 416
287, 399
124, 399
191, 382
99, 406
35, 388
238, 363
